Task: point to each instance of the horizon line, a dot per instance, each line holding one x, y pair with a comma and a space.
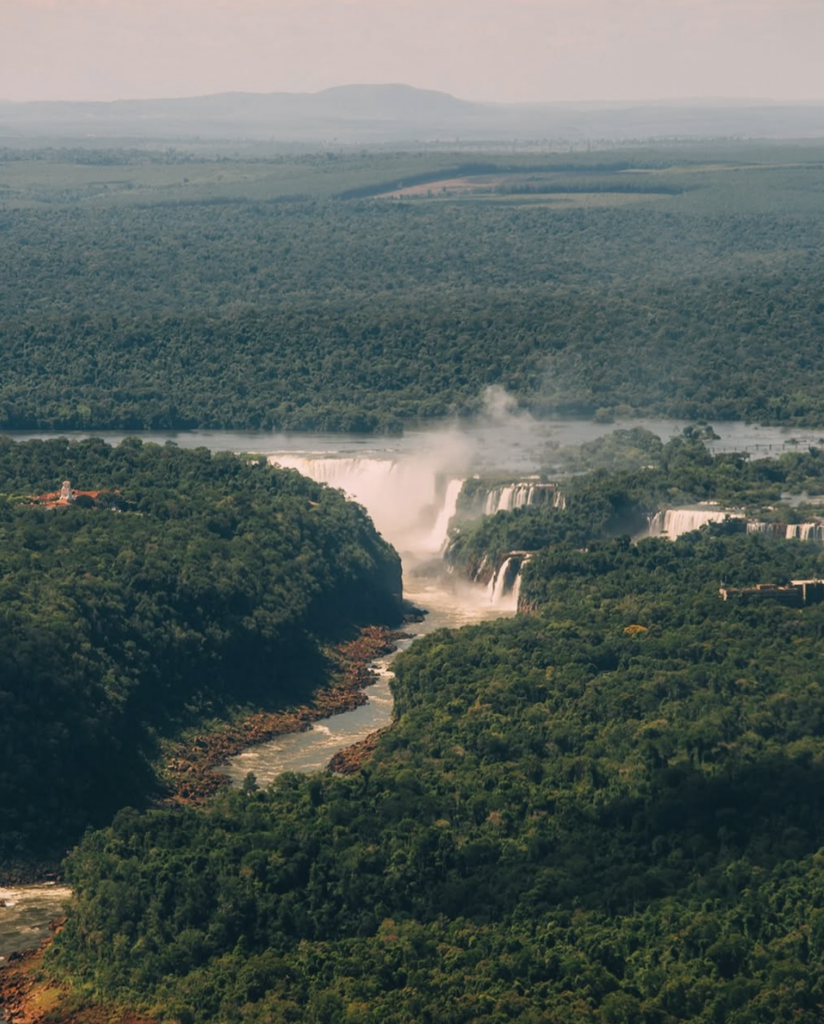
599, 100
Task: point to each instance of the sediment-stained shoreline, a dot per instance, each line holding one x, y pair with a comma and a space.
351, 759
190, 772
26, 997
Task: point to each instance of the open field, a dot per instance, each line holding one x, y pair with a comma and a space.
721, 173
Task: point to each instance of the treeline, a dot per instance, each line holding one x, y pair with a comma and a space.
193, 584
609, 810
647, 476
367, 314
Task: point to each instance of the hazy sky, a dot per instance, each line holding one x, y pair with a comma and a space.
508, 50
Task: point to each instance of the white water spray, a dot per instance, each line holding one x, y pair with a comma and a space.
672, 522
504, 587
411, 501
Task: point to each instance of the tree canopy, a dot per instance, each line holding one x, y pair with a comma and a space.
194, 583
607, 810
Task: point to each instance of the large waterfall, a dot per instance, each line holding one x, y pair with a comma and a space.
410, 501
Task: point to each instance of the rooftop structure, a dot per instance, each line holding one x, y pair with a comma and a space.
67, 495
796, 594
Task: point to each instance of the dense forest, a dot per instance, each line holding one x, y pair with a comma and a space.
210, 293
185, 585
606, 810
646, 476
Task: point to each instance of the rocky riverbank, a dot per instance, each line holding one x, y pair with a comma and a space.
190, 770
26, 997
12, 875
351, 759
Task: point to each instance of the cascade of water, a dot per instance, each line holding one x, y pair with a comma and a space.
506, 497
516, 586
407, 499
412, 504
491, 501
805, 531
672, 522
439, 537
789, 531
497, 586
524, 494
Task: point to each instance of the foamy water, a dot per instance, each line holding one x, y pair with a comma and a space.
450, 603
411, 500
25, 913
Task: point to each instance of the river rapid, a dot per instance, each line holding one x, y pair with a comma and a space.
25, 913
409, 485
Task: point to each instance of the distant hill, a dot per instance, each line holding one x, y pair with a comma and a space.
355, 114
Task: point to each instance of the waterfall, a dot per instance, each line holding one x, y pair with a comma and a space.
480, 570
439, 537
672, 522
504, 587
496, 587
805, 531
516, 586
789, 531
410, 501
506, 497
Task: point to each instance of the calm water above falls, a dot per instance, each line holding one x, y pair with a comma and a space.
512, 444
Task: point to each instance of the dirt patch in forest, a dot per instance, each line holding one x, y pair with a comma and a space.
451, 186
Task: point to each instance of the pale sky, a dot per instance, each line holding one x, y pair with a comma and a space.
504, 50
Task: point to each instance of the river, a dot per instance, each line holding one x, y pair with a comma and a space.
25, 913
408, 484
511, 441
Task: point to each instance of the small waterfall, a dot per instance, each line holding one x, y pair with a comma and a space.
497, 586
440, 531
516, 586
506, 497
805, 531
504, 587
672, 522
789, 531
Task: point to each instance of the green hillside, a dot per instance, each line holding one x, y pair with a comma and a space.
189, 585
